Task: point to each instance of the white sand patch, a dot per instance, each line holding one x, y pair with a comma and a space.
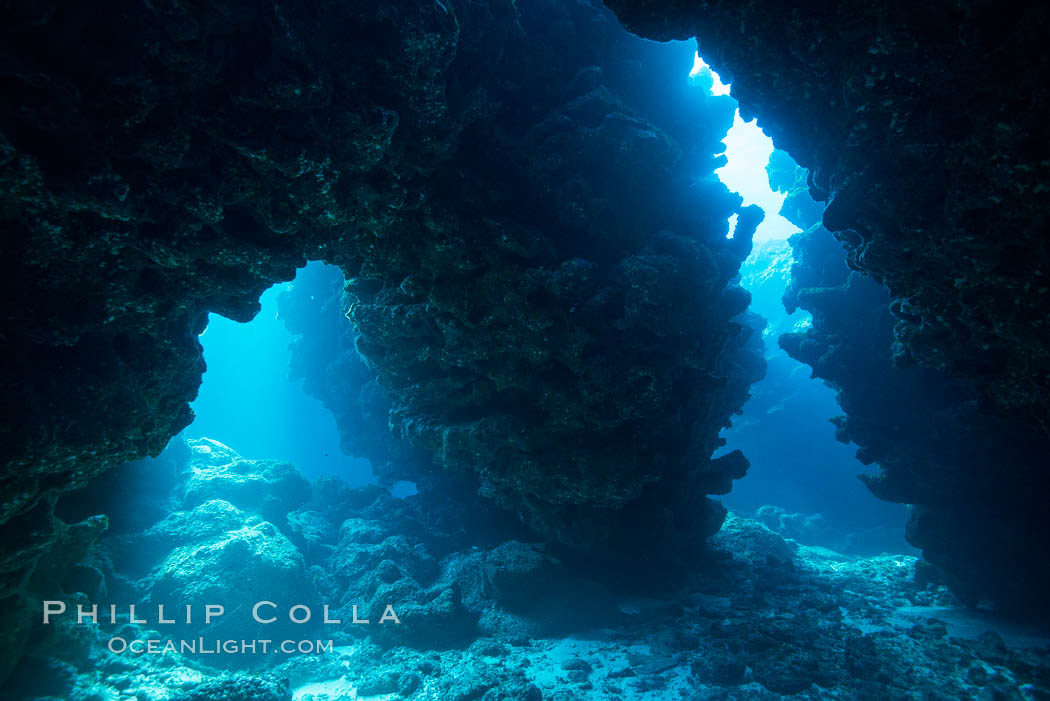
625, 671
328, 690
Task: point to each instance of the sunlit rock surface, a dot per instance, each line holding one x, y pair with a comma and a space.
269, 488
766, 619
236, 568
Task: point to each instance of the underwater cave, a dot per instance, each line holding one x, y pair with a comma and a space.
536, 350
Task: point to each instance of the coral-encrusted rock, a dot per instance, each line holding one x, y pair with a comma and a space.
924, 129
924, 132
520, 573
433, 619
53, 561
364, 546
753, 542
568, 347
982, 527
224, 556
325, 357
311, 532
520, 195
269, 488
238, 688
136, 553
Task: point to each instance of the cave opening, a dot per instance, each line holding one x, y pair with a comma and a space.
261, 395
802, 482
253, 400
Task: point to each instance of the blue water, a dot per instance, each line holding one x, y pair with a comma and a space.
797, 465
247, 402
785, 432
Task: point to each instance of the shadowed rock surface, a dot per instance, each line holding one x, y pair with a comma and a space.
974, 480
521, 199
538, 279
924, 129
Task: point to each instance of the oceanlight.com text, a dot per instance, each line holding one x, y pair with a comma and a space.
202, 646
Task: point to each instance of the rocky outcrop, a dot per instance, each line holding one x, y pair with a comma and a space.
325, 357
238, 687
520, 343
922, 127
762, 618
539, 283
269, 488
245, 562
973, 480
355, 551
795, 462
216, 539
775, 620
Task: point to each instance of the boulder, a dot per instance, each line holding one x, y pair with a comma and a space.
238, 687
234, 563
753, 543
364, 545
521, 574
267, 487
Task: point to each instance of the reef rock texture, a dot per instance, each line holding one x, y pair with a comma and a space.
364, 551
218, 535
247, 561
269, 488
924, 129
521, 198
771, 620
975, 482
324, 355
575, 365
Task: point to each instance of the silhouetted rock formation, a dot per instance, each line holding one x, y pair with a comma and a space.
325, 357
521, 199
974, 480
924, 129
540, 342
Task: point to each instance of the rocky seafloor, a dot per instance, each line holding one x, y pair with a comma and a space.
482, 618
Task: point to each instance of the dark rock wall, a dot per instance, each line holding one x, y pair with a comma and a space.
572, 363
801, 483
562, 330
924, 128
974, 481
521, 199
324, 356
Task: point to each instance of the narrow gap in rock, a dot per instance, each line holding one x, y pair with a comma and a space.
253, 398
802, 482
